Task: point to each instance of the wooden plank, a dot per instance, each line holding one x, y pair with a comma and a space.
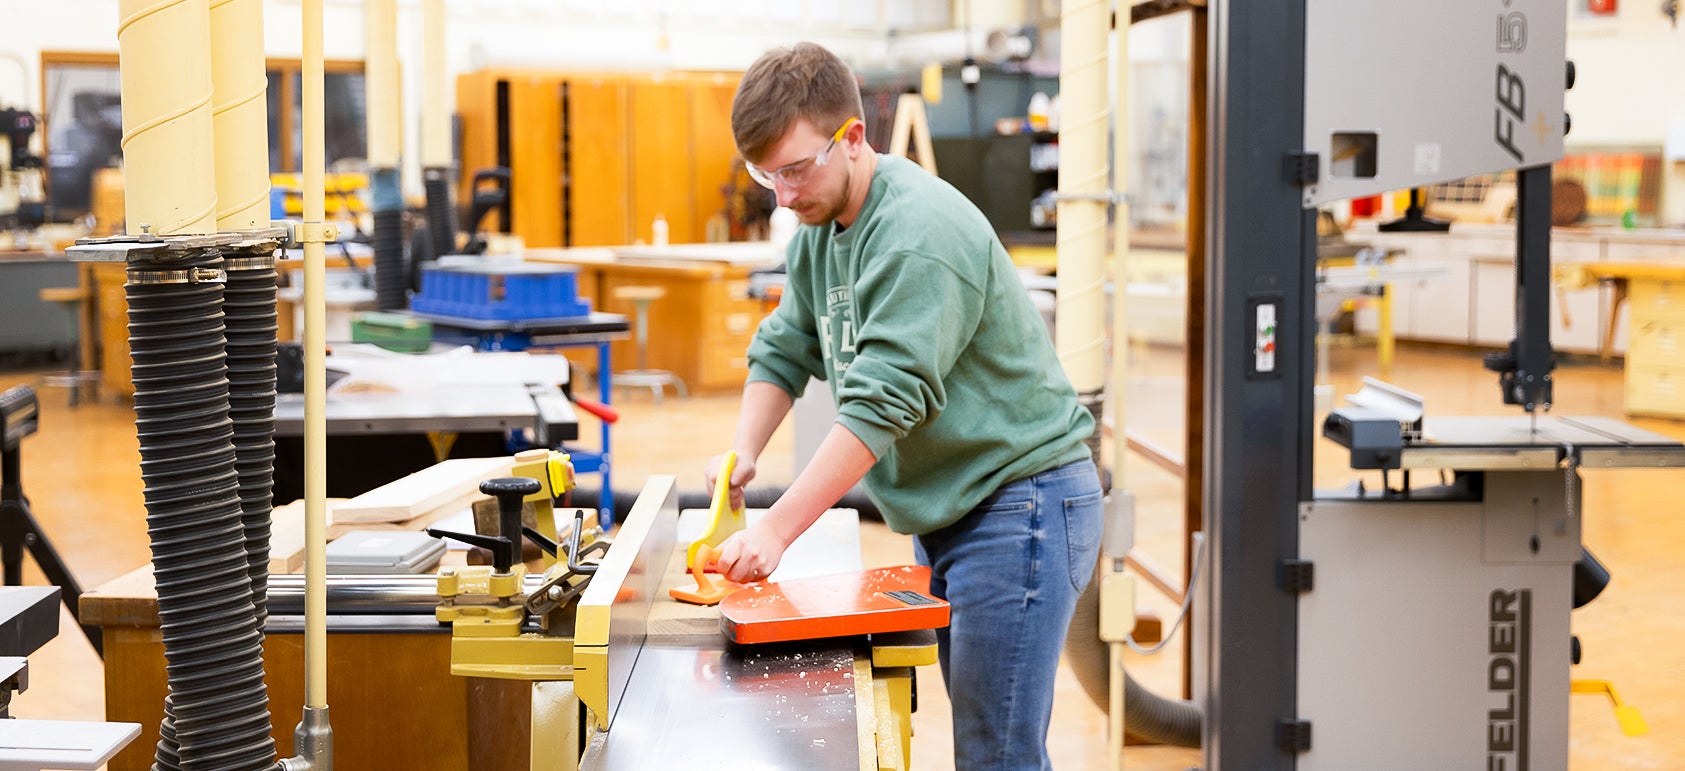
286, 537
599, 195
451, 485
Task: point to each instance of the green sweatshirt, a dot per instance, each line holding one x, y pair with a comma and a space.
935, 355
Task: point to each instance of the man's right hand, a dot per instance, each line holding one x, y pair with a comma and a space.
740, 476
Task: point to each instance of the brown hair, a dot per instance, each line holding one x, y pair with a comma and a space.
803, 81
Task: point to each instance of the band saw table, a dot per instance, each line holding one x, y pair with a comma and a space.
1489, 559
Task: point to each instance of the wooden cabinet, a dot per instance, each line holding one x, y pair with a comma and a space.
600, 184
594, 158
699, 331
111, 314
1438, 308
1473, 303
1655, 360
700, 328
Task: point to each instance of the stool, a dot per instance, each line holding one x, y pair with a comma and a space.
75, 379
643, 376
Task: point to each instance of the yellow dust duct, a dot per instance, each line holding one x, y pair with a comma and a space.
1083, 178
436, 106
380, 29
169, 177
1120, 241
240, 115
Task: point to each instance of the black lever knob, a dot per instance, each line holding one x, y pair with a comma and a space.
503, 551
509, 492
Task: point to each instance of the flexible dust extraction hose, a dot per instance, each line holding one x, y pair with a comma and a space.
391, 275
218, 711
441, 215
249, 306
1146, 714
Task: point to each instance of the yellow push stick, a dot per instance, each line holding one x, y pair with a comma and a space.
724, 520
1632, 723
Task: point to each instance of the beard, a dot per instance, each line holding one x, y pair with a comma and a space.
822, 206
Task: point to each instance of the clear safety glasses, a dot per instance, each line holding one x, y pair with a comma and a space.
794, 174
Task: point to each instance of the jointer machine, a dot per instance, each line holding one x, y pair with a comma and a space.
624, 677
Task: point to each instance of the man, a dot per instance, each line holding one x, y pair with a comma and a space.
952, 406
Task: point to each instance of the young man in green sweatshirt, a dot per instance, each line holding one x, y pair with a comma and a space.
952, 406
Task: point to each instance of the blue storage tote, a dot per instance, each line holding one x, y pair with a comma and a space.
503, 292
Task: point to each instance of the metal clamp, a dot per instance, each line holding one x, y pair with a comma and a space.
260, 262
317, 232
1109, 197
191, 276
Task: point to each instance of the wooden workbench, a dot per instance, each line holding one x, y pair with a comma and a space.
700, 330
1655, 355
393, 701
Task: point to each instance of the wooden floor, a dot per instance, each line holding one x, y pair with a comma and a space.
81, 473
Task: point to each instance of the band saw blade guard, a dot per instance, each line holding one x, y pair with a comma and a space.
723, 520
881, 600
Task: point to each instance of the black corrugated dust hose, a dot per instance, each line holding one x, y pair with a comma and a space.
391, 276
1176, 722
218, 709
248, 305
441, 212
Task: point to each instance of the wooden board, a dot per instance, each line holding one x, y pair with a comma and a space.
286, 534
452, 485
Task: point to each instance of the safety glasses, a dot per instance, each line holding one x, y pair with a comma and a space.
794, 174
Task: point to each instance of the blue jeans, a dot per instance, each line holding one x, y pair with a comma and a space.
1011, 570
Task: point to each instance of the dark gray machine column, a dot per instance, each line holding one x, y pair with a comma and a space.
1262, 243
1524, 371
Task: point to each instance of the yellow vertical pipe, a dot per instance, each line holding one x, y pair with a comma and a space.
380, 30
240, 115
315, 373
1081, 237
165, 48
1117, 593
435, 109
1120, 240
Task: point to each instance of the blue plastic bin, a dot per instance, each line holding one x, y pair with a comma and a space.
502, 292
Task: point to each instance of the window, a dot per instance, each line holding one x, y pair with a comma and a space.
83, 122
345, 109
82, 130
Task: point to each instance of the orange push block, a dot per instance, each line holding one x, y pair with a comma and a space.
869, 602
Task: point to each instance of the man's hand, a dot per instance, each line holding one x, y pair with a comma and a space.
740, 476
751, 555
